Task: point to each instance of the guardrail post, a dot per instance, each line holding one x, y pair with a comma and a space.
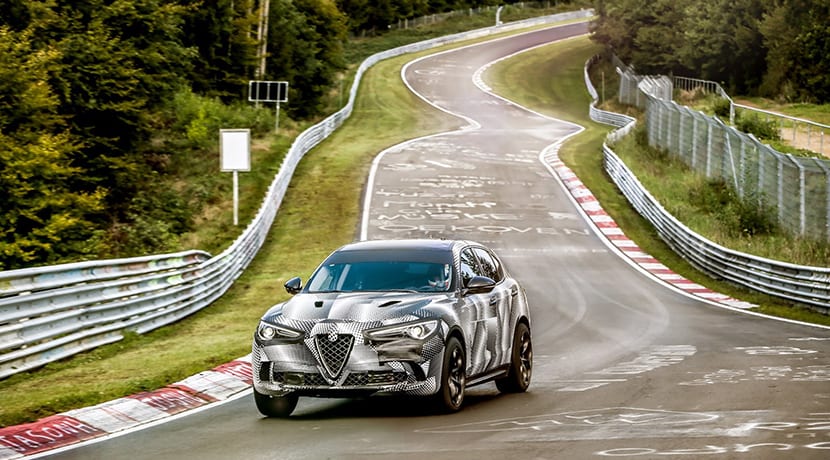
760, 170
669, 130
681, 129
709, 151
802, 195
781, 188
742, 190
695, 135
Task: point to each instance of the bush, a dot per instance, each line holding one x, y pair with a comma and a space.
753, 124
739, 216
710, 196
200, 119
755, 216
722, 108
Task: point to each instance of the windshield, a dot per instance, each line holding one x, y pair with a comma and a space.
382, 276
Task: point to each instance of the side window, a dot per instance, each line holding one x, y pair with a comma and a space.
469, 268
489, 265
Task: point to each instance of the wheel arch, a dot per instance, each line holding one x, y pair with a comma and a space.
523, 319
456, 332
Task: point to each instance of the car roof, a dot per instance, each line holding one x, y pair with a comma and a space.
423, 244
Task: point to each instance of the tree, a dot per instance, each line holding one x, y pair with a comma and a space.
657, 36
306, 42
778, 48
796, 35
812, 65
119, 59
357, 14
615, 24
14, 14
722, 42
221, 32
42, 218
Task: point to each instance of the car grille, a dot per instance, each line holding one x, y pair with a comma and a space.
374, 378
333, 351
355, 379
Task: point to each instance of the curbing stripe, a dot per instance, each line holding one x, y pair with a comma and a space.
116, 416
608, 228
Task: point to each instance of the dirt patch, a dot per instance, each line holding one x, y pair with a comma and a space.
807, 137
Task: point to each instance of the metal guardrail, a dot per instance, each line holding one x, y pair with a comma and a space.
50, 313
618, 120
803, 284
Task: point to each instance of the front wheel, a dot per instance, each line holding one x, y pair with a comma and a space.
521, 363
275, 406
450, 395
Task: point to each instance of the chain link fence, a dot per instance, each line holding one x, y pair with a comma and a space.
796, 188
804, 284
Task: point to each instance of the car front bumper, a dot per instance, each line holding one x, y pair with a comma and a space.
317, 366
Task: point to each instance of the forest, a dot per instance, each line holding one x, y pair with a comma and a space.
779, 49
105, 104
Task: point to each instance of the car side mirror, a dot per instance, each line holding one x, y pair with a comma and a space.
294, 285
479, 284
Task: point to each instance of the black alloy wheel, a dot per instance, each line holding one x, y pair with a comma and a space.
450, 396
521, 363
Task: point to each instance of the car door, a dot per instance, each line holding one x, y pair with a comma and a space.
481, 311
497, 312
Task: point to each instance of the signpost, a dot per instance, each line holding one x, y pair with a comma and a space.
269, 91
235, 155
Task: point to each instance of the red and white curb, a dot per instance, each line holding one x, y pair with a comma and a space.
120, 415
613, 234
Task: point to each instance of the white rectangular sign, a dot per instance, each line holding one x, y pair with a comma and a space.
235, 149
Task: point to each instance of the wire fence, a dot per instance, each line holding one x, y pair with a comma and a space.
797, 132
796, 188
804, 284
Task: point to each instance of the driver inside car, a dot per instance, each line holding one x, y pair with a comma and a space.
439, 277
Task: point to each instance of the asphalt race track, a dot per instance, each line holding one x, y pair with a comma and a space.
624, 366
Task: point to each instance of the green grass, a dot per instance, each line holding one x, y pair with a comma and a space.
550, 77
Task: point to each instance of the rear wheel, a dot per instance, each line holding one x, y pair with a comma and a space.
450, 395
521, 363
275, 406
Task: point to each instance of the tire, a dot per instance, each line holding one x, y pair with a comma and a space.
275, 406
521, 363
450, 396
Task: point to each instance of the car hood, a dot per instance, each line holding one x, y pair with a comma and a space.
355, 306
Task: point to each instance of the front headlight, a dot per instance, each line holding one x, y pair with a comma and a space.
267, 332
418, 330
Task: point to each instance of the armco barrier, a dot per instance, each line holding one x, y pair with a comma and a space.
49, 313
803, 284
